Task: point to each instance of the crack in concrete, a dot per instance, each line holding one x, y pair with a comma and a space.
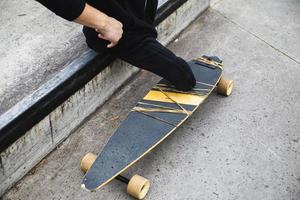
256, 36
217, 2
51, 130
269, 149
2, 166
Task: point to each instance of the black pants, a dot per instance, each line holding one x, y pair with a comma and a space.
154, 57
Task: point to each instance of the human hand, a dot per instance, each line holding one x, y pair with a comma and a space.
111, 30
108, 28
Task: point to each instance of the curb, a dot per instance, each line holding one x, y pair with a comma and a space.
37, 124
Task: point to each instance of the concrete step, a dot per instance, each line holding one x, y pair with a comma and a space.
243, 147
40, 121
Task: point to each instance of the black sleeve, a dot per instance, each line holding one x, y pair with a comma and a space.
67, 9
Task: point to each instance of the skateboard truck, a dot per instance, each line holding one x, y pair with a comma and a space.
137, 186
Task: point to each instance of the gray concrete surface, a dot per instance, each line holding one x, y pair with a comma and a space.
34, 45
21, 156
276, 23
246, 146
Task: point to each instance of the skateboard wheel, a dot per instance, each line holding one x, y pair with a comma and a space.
138, 187
225, 87
87, 162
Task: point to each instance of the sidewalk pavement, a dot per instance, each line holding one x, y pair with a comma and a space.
246, 146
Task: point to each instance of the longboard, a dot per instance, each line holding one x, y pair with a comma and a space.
152, 120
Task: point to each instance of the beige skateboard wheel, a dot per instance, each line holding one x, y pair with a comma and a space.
138, 187
225, 87
87, 162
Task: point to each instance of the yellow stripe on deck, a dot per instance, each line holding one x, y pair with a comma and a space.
170, 97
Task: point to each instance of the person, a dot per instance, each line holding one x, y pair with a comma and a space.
126, 30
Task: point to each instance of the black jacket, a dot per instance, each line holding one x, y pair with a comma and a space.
137, 17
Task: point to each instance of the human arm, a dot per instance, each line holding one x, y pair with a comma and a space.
77, 10
108, 28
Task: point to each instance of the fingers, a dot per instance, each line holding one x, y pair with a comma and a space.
101, 36
112, 32
111, 45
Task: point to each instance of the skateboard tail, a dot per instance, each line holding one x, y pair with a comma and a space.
92, 189
83, 187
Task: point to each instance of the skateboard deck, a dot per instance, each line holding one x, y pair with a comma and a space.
155, 117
